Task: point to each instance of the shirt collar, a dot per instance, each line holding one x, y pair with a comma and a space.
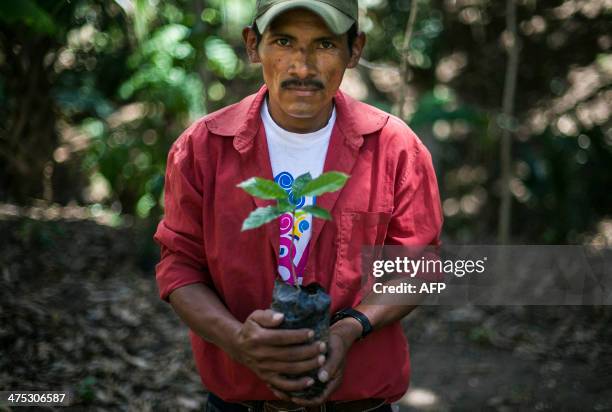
242, 120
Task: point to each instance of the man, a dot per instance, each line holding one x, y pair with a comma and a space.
220, 280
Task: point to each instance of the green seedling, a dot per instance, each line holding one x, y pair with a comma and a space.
303, 185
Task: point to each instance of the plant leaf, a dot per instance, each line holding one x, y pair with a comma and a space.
284, 205
317, 211
299, 183
260, 216
327, 182
263, 188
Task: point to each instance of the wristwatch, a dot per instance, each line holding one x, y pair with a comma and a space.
352, 313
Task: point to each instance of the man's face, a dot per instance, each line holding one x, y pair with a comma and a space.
303, 62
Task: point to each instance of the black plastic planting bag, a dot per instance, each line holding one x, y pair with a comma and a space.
306, 307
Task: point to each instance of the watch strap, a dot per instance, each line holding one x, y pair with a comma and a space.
355, 314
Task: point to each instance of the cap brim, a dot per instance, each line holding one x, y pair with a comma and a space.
337, 21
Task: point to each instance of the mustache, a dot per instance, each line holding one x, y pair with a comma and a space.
308, 83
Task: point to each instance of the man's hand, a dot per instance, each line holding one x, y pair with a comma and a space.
341, 337
272, 353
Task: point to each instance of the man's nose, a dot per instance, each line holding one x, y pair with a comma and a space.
302, 64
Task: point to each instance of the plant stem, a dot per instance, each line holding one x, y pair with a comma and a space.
292, 249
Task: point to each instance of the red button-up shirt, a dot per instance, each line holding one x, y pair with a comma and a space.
391, 198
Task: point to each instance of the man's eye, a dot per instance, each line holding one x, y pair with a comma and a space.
325, 44
282, 42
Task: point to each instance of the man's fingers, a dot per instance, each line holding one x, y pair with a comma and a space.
267, 318
294, 368
333, 363
289, 385
329, 389
280, 395
290, 353
281, 337
265, 332
284, 337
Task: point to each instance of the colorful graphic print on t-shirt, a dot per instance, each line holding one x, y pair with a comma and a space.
302, 226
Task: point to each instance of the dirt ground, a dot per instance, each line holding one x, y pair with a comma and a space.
79, 312
508, 359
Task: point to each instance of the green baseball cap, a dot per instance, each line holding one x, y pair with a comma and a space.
339, 15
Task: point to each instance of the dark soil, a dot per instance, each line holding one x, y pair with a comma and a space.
306, 307
78, 313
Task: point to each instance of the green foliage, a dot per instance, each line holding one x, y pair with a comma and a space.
178, 57
222, 59
303, 185
317, 212
285, 205
299, 183
261, 216
160, 76
327, 182
263, 188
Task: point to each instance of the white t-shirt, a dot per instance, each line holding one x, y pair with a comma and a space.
291, 155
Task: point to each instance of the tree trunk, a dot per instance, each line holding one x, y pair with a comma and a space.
27, 134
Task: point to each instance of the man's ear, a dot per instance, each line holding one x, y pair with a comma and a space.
357, 49
250, 43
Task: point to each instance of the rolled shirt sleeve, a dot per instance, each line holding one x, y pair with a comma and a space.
180, 233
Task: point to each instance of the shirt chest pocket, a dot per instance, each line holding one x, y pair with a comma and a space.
356, 230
